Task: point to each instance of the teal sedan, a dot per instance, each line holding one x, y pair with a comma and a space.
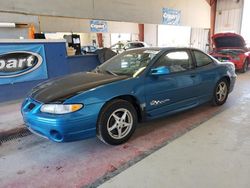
134, 86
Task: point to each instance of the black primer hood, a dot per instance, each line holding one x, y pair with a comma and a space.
60, 89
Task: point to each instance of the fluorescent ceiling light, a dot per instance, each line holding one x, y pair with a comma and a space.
5, 24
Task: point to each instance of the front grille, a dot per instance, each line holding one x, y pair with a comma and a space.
31, 106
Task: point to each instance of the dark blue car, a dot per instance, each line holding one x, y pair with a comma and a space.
136, 85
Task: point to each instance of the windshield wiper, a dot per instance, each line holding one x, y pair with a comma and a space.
98, 70
110, 72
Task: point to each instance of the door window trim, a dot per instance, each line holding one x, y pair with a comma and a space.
175, 50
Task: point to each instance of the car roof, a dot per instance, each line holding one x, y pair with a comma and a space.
166, 48
128, 42
134, 42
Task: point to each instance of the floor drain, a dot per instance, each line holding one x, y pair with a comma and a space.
11, 135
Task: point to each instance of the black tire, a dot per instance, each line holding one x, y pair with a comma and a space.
111, 122
220, 98
244, 67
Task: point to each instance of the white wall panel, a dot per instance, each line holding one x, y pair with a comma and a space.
200, 39
245, 30
228, 21
123, 27
228, 16
229, 4
173, 36
150, 34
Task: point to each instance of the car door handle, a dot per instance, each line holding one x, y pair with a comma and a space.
193, 75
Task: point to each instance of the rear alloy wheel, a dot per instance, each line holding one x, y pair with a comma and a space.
244, 67
221, 92
117, 122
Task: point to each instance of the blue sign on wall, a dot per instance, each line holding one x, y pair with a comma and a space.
171, 16
98, 26
19, 63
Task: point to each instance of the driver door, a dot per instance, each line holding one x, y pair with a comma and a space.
175, 90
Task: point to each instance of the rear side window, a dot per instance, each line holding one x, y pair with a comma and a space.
202, 59
175, 61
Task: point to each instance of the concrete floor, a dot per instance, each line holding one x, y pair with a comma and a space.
10, 116
209, 147
216, 154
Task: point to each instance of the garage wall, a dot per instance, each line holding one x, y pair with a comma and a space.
194, 13
173, 36
59, 24
15, 33
200, 39
67, 8
140, 11
150, 34
245, 30
228, 16
123, 27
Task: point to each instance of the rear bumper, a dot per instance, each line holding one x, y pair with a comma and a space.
61, 128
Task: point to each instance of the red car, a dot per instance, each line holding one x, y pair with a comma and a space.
231, 47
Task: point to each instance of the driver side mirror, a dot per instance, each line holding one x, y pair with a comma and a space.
163, 70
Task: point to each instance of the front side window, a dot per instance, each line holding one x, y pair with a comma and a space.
175, 61
201, 58
130, 63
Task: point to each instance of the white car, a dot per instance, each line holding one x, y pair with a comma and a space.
123, 46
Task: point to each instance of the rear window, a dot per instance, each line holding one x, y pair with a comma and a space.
201, 58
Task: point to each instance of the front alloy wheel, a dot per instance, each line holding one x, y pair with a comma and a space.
117, 122
120, 123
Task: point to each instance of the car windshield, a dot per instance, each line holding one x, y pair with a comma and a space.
131, 63
118, 46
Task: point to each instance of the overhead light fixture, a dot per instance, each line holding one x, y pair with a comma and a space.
9, 25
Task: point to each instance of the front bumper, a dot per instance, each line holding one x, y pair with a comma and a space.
61, 128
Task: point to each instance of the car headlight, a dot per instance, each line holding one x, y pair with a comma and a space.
60, 108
